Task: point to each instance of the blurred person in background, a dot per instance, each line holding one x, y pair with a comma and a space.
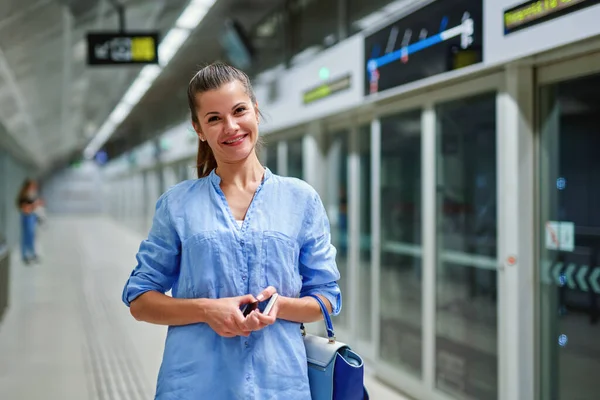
29, 203
216, 242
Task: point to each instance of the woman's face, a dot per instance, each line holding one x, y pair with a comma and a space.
32, 188
228, 122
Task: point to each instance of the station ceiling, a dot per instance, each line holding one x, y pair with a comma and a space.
52, 103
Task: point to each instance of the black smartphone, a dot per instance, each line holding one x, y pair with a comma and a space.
248, 308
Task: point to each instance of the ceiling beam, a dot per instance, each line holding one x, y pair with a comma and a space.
22, 13
29, 139
65, 120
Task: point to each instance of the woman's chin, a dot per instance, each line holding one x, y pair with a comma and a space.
237, 155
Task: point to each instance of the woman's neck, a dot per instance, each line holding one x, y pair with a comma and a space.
241, 174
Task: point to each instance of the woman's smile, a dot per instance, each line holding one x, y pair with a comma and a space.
236, 140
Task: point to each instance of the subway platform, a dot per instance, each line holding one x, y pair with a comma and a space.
67, 335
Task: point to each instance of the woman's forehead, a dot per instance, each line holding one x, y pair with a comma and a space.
229, 93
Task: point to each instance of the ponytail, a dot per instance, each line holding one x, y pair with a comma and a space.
205, 162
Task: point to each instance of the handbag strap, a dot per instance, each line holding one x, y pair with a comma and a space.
326, 318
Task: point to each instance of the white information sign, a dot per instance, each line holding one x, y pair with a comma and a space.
560, 235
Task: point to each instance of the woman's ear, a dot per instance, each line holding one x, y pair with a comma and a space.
198, 131
257, 112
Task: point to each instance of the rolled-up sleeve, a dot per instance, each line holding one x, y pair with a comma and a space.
158, 257
317, 257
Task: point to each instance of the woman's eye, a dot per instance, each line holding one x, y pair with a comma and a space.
240, 109
212, 119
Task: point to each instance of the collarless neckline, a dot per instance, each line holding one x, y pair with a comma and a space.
216, 179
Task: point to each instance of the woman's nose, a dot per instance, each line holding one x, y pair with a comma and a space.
230, 124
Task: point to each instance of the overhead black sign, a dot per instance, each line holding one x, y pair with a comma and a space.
537, 11
122, 48
326, 89
442, 36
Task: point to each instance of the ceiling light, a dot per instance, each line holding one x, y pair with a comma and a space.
193, 14
171, 43
120, 112
141, 84
174, 39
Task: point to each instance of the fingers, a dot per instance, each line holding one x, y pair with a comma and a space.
266, 319
253, 323
265, 294
245, 299
240, 324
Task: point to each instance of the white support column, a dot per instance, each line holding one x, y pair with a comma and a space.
516, 235
354, 233
282, 158
375, 228
429, 240
313, 158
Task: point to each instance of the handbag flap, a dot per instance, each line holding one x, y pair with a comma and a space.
320, 351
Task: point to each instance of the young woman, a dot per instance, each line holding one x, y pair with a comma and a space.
237, 234
27, 202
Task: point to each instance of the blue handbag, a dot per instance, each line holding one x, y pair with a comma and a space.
335, 372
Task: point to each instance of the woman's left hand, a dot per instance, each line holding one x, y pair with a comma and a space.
256, 320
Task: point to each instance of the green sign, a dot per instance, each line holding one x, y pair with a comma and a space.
537, 11
327, 89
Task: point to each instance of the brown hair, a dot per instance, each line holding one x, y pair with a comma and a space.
23, 191
212, 77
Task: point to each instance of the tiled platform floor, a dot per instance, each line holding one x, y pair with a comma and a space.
67, 335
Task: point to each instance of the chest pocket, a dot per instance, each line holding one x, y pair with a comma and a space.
199, 269
280, 261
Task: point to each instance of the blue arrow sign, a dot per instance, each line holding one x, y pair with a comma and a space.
594, 280
569, 274
581, 278
556, 274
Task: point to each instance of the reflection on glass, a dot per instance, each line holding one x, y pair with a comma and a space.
466, 292
308, 32
295, 164
570, 240
364, 264
272, 157
336, 194
268, 40
400, 318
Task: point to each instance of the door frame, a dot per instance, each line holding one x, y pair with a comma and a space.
577, 66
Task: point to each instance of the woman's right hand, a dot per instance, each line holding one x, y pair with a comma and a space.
225, 317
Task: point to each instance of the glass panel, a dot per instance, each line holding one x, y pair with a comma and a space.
570, 240
267, 38
272, 156
313, 26
337, 210
364, 264
294, 161
400, 319
466, 292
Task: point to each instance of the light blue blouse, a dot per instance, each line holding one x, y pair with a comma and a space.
196, 248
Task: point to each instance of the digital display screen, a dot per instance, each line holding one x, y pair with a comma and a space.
122, 48
440, 37
538, 11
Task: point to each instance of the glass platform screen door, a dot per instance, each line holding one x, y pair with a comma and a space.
438, 239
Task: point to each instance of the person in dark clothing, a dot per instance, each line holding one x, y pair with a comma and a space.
27, 202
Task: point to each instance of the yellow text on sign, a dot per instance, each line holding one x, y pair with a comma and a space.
143, 49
